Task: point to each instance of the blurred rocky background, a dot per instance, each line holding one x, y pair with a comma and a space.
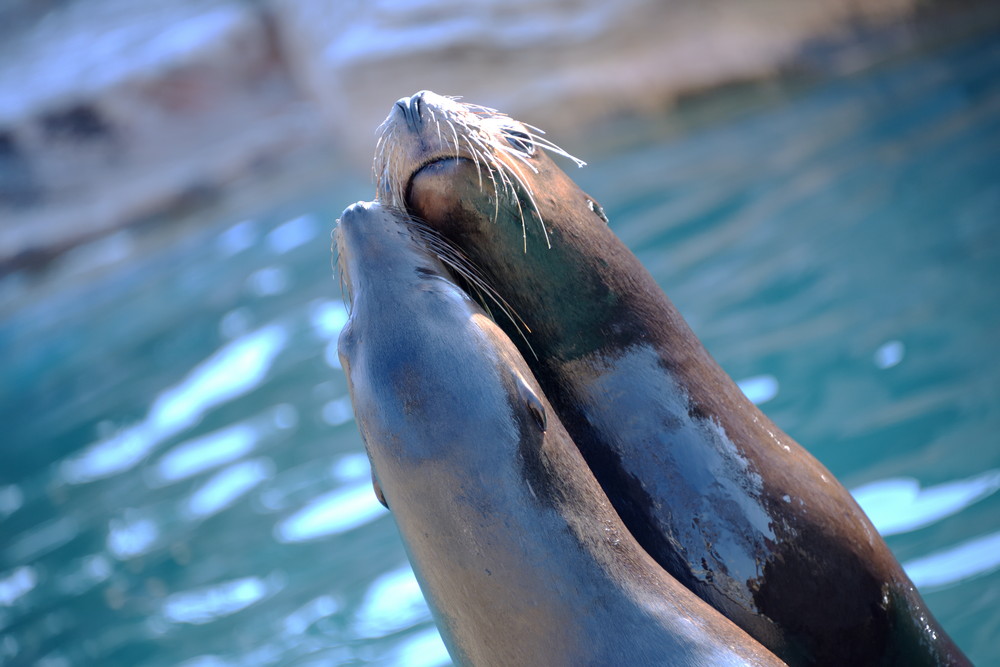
115, 113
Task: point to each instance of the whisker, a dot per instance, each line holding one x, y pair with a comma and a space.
455, 259
474, 135
475, 158
534, 205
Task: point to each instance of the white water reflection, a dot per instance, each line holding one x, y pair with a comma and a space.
352, 468
424, 649
15, 585
889, 354
11, 499
204, 605
292, 234
232, 371
393, 603
237, 238
338, 411
131, 538
332, 513
299, 620
269, 281
228, 486
949, 566
899, 505
759, 388
209, 451
217, 448
327, 318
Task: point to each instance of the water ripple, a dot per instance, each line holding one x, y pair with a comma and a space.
204, 453
899, 505
332, 513
269, 281
11, 500
759, 388
424, 649
327, 318
128, 539
205, 605
43, 539
237, 238
949, 566
217, 448
338, 411
232, 371
292, 234
228, 486
393, 603
299, 621
17, 584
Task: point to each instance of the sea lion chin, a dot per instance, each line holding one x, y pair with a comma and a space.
514, 543
713, 490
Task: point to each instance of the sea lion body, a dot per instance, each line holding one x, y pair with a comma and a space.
713, 490
517, 550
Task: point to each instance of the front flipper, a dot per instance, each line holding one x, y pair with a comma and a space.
534, 404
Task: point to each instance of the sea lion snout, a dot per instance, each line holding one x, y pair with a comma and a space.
411, 107
356, 210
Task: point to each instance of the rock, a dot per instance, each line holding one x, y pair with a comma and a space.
562, 63
114, 111
111, 110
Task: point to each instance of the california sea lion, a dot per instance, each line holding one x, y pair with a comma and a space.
711, 488
516, 547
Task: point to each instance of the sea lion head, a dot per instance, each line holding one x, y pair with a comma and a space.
486, 183
512, 171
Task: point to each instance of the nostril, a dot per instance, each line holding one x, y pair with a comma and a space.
411, 108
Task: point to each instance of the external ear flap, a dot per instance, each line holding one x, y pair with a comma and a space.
597, 209
378, 491
534, 404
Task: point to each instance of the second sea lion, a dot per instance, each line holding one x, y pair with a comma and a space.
518, 551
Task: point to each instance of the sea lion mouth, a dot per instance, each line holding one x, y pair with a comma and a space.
440, 163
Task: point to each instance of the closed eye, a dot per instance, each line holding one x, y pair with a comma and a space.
519, 140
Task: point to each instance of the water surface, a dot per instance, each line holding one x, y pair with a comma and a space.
182, 482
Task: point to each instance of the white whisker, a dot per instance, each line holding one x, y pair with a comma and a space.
480, 134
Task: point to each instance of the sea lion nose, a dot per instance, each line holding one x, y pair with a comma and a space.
411, 107
358, 210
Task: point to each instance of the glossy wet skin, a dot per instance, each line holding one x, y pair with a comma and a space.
710, 487
516, 547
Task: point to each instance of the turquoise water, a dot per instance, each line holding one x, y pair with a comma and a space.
181, 480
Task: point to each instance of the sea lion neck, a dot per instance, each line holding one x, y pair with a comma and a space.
539, 263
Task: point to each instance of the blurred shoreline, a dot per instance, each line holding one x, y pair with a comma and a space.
119, 116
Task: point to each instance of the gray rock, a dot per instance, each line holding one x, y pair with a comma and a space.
113, 111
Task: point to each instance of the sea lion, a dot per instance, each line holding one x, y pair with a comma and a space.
518, 552
713, 490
